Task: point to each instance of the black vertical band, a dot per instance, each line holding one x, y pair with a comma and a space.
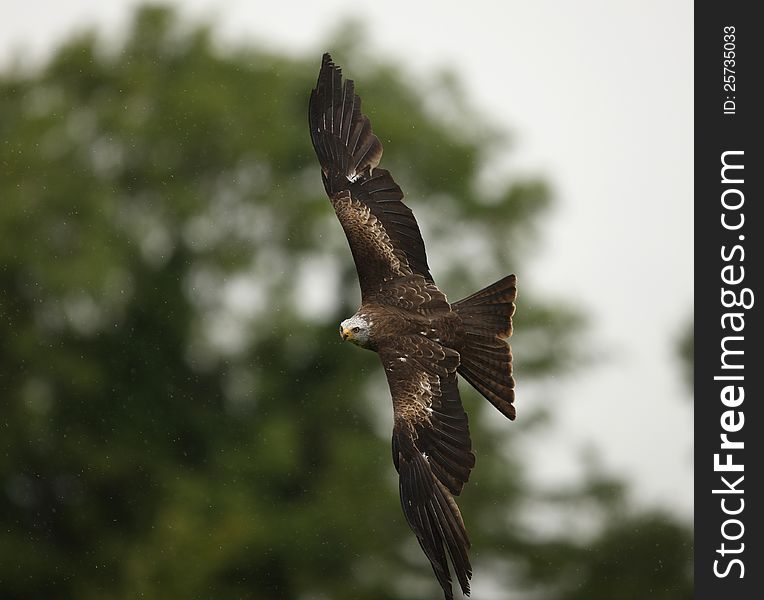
729, 430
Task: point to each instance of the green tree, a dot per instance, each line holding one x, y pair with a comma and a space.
685, 349
179, 417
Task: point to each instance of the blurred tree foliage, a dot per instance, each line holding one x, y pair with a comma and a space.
179, 416
685, 348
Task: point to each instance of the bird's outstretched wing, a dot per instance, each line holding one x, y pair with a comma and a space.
432, 450
383, 235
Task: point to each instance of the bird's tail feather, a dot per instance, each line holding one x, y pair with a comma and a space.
486, 359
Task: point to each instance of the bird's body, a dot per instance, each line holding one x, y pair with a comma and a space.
422, 339
386, 321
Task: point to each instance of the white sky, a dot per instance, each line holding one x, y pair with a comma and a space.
598, 96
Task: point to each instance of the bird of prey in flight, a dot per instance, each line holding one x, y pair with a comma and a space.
422, 339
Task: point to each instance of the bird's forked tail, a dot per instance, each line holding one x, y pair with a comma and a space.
486, 359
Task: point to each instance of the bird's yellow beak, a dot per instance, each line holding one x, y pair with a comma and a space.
345, 333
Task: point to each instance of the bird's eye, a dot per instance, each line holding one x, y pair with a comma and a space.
356, 329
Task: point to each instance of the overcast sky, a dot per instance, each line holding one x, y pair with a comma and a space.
598, 96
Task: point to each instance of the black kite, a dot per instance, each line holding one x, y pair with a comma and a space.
423, 341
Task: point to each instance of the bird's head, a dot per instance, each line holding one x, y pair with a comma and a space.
357, 330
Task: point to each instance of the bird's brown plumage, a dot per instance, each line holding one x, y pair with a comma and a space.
422, 340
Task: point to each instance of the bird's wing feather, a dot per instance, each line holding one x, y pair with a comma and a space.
413, 293
381, 230
432, 450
